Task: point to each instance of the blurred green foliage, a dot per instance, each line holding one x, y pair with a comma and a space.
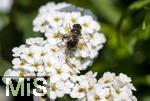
126, 24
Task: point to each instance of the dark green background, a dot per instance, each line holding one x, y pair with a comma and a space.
126, 24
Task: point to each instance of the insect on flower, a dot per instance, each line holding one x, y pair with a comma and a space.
72, 39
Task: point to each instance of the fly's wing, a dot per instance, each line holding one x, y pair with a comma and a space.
82, 38
64, 38
72, 65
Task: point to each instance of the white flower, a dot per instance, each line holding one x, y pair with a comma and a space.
61, 72
55, 19
124, 78
83, 49
53, 50
51, 7
54, 37
32, 41
55, 90
96, 39
36, 66
78, 92
17, 51
68, 85
103, 93
40, 24
87, 24
5, 5
50, 62
19, 63
107, 79
72, 18
84, 85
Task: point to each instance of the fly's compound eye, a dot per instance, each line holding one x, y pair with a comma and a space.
76, 31
77, 26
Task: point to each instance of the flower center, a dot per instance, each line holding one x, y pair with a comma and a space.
30, 54
22, 63
73, 20
58, 71
56, 36
85, 25
44, 23
21, 74
53, 87
36, 64
57, 19
49, 64
43, 53
117, 91
81, 90
96, 98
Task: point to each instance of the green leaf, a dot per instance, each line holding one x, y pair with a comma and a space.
24, 24
24, 3
142, 80
139, 4
145, 98
147, 18
142, 34
108, 10
4, 21
4, 65
148, 79
111, 35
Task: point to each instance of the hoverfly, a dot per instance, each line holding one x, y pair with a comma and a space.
72, 40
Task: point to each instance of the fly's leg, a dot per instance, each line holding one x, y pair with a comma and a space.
65, 37
73, 66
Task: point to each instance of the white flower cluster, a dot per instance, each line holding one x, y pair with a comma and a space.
47, 58
108, 88
5, 5
55, 20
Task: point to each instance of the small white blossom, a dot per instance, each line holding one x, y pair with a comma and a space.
17, 51
61, 72
5, 5
40, 24
84, 85
19, 63
51, 7
53, 36
32, 41
55, 90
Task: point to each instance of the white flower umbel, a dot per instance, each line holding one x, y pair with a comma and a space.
37, 58
56, 20
5, 5
108, 88
83, 85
